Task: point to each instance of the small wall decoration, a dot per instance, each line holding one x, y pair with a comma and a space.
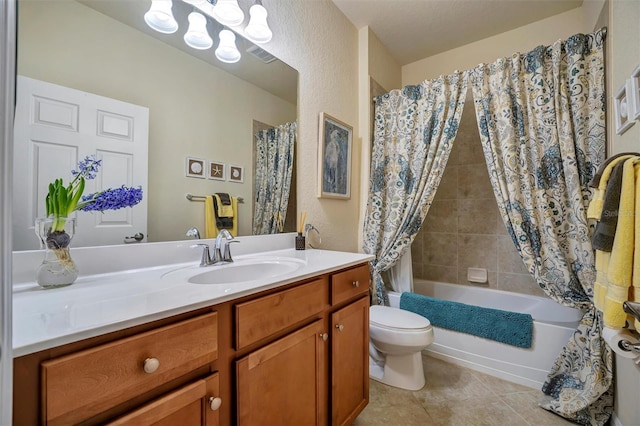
216, 170
334, 158
236, 174
621, 107
634, 95
195, 167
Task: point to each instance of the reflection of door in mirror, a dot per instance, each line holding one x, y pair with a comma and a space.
274, 188
196, 108
55, 127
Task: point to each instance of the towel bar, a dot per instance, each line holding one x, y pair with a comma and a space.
191, 197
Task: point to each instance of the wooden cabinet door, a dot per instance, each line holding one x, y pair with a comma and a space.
282, 383
349, 361
192, 405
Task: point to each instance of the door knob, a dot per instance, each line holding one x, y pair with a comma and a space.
215, 403
356, 284
340, 327
151, 365
324, 336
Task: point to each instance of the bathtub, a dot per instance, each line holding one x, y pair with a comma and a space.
553, 325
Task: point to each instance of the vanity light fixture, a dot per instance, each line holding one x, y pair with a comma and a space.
227, 51
258, 30
160, 18
197, 35
227, 12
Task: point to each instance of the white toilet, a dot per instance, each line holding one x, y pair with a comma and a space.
397, 338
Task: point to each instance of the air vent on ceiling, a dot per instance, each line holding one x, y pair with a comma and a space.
261, 54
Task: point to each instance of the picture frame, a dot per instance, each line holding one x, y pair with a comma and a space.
195, 167
634, 94
216, 170
334, 158
621, 107
236, 174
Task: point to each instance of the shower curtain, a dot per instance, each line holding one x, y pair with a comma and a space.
541, 118
273, 169
414, 131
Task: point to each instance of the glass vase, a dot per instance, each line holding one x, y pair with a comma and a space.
58, 268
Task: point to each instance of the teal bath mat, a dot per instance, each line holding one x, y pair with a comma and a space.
507, 327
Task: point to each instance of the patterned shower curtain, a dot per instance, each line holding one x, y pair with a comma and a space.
413, 135
273, 169
541, 118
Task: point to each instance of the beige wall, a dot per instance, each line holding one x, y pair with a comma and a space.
188, 99
624, 55
315, 38
521, 39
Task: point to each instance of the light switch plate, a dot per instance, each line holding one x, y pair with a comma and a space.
633, 95
621, 108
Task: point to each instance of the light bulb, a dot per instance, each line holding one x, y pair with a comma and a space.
197, 35
227, 50
160, 18
227, 12
258, 30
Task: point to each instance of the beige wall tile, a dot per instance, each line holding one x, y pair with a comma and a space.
448, 188
477, 216
473, 182
519, 283
440, 249
477, 251
444, 274
509, 259
442, 217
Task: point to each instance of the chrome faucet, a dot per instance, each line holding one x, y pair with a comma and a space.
218, 254
193, 232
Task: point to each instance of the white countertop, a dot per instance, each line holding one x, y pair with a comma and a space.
101, 303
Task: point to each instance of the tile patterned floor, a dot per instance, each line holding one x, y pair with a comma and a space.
456, 396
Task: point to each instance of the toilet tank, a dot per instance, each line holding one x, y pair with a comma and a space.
394, 299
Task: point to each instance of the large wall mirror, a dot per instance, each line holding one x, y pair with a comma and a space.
198, 107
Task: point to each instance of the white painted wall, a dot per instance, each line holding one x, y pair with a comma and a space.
521, 39
189, 103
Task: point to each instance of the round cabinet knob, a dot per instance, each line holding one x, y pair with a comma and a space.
356, 284
324, 336
215, 403
340, 327
151, 365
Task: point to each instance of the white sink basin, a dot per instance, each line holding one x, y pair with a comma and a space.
245, 270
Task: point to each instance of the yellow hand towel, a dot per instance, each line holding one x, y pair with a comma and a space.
210, 228
595, 206
224, 211
600, 284
620, 269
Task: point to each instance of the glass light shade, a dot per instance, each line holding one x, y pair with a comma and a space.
160, 18
227, 12
258, 30
227, 50
197, 35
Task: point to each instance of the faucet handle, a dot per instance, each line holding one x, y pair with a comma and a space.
632, 308
226, 257
206, 258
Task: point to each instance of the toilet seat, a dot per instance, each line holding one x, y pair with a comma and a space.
397, 319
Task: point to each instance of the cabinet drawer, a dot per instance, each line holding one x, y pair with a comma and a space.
267, 315
350, 283
190, 405
81, 385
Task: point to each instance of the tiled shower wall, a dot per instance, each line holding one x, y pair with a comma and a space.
463, 228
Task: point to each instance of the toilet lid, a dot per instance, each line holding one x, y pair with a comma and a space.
384, 316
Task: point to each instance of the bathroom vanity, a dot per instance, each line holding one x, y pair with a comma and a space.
292, 350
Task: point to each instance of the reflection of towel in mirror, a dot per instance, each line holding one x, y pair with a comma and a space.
224, 198
224, 214
214, 223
